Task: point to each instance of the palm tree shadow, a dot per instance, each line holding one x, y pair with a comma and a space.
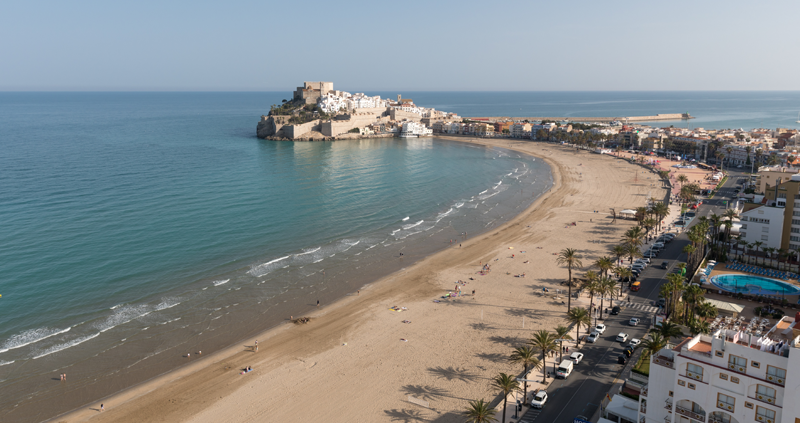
480, 326
493, 357
425, 392
405, 415
452, 373
521, 312
506, 340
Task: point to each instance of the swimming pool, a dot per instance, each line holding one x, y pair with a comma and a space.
747, 284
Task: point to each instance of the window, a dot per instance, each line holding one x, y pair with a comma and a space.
781, 195
725, 402
720, 417
681, 382
737, 363
766, 394
796, 213
719, 353
755, 364
765, 414
743, 234
744, 226
765, 237
794, 238
670, 393
723, 376
734, 379
694, 371
748, 405
795, 221
692, 386
775, 374
765, 229
795, 230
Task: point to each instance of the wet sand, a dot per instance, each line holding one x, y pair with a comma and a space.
350, 363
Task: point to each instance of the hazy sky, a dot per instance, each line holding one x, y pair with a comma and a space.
407, 45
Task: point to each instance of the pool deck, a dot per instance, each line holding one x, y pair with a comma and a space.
713, 293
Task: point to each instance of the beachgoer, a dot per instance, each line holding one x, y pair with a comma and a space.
359, 292
317, 303
102, 407
473, 292
256, 345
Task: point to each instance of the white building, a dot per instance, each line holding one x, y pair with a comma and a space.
330, 103
415, 129
763, 224
727, 377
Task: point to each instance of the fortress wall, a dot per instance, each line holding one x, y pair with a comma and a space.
357, 120
400, 115
295, 131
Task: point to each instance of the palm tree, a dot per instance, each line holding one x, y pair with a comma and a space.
634, 236
570, 258
692, 296
682, 179
604, 264
618, 251
668, 330
579, 316
706, 310
654, 344
506, 384
544, 342
527, 357
562, 332
768, 251
757, 245
632, 251
591, 285
623, 272
479, 411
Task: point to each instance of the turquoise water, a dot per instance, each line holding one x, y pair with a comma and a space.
754, 285
138, 227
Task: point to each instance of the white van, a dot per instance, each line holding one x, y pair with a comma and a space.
565, 368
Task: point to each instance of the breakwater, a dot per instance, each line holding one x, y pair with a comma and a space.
660, 116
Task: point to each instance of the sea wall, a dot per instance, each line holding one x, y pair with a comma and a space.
660, 116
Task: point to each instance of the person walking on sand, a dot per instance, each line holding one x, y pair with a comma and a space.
256, 345
102, 407
317, 303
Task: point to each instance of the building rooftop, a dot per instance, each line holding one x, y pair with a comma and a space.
702, 347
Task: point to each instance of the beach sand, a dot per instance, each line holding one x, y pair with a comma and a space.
350, 362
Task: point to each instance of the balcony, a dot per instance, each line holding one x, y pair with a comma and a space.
664, 361
695, 376
683, 411
643, 408
668, 405
643, 392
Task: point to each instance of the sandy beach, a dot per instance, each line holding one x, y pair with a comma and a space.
358, 361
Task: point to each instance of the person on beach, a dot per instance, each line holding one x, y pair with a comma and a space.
102, 407
317, 303
256, 345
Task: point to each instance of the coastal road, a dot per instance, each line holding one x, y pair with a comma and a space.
582, 392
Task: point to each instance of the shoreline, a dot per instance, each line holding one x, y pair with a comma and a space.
331, 326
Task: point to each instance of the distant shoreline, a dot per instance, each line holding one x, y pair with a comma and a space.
660, 116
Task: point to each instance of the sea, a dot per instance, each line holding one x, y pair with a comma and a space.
139, 228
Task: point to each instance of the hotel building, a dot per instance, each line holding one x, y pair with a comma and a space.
727, 377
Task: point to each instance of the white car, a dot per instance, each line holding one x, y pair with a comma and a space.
539, 399
634, 321
592, 337
622, 337
645, 260
576, 357
600, 328
634, 342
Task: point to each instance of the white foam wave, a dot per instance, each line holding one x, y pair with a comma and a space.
264, 268
122, 316
308, 252
445, 214
407, 227
393, 232
459, 204
167, 303
29, 337
112, 308
221, 282
317, 261
5, 363
62, 347
405, 218
483, 192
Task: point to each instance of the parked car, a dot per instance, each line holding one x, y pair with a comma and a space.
592, 337
600, 328
644, 260
615, 310
658, 245
576, 357
634, 342
661, 302
664, 264
539, 399
622, 337
634, 321
621, 359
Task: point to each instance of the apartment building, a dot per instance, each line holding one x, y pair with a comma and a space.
518, 130
773, 175
786, 196
726, 377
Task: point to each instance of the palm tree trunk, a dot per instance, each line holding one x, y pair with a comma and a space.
544, 367
569, 289
525, 384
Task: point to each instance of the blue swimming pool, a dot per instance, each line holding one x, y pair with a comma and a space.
754, 285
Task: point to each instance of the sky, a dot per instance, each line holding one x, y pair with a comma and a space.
410, 45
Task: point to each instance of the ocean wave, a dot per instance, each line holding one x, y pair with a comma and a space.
264, 268
407, 227
167, 303
29, 337
112, 308
5, 363
221, 282
62, 347
122, 316
405, 218
314, 250
441, 216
